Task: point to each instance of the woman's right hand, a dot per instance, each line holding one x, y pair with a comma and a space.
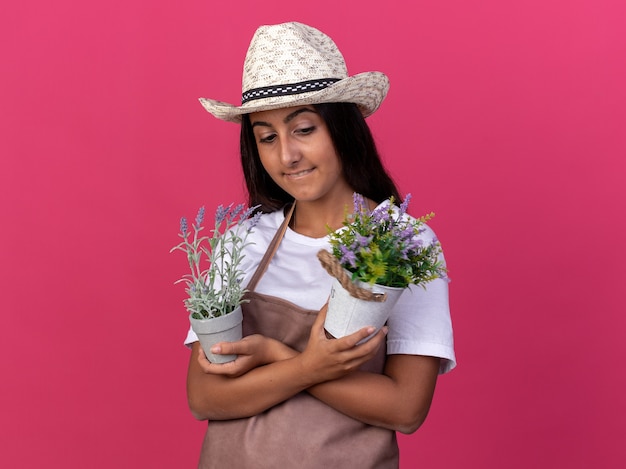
328, 359
252, 351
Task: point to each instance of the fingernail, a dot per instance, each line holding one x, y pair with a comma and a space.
385, 330
370, 330
216, 349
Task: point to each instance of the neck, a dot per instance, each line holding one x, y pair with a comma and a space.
313, 219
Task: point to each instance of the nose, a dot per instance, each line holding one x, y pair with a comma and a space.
289, 152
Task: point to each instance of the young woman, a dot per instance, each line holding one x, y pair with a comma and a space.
293, 397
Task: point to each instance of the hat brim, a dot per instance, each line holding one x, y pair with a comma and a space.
367, 90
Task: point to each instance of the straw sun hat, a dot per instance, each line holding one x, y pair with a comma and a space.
293, 64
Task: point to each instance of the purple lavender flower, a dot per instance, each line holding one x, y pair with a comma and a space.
381, 215
407, 233
255, 219
404, 251
221, 213
404, 205
359, 203
415, 243
238, 208
347, 256
246, 214
362, 241
200, 217
216, 290
183, 226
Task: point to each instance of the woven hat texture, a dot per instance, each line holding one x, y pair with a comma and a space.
293, 64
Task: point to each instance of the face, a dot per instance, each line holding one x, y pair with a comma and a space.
297, 152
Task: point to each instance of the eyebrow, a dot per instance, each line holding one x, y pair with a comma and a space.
287, 119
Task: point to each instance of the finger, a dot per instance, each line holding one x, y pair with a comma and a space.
222, 348
201, 355
204, 362
317, 329
375, 341
321, 317
230, 348
351, 340
368, 349
225, 369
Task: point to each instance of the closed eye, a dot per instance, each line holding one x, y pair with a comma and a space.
268, 139
306, 130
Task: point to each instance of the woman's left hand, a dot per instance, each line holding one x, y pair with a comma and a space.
252, 351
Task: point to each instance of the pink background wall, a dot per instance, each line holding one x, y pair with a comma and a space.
505, 118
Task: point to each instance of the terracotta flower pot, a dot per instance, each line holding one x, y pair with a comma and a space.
225, 328
347, 314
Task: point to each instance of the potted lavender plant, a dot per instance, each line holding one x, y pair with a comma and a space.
214, 291
375, 256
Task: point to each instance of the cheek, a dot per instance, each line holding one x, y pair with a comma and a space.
265, 162
268, 165
333, 160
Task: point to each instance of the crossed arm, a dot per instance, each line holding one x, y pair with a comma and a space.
268, 372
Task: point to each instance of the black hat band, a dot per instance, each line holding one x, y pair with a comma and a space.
285, 90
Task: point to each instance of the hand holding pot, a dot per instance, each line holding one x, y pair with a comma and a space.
327, 359
252, 351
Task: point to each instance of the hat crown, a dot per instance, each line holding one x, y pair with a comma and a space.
292, 64
290, 53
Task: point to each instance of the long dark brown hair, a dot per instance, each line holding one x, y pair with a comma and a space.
354, 144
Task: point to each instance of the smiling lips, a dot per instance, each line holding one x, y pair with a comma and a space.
298, 174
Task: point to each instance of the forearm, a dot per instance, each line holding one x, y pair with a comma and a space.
370, 398
221, 398
398, 400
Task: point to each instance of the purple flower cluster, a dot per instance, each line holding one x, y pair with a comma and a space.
200, 217
386, 246
216, 290
183, 226
229, 215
